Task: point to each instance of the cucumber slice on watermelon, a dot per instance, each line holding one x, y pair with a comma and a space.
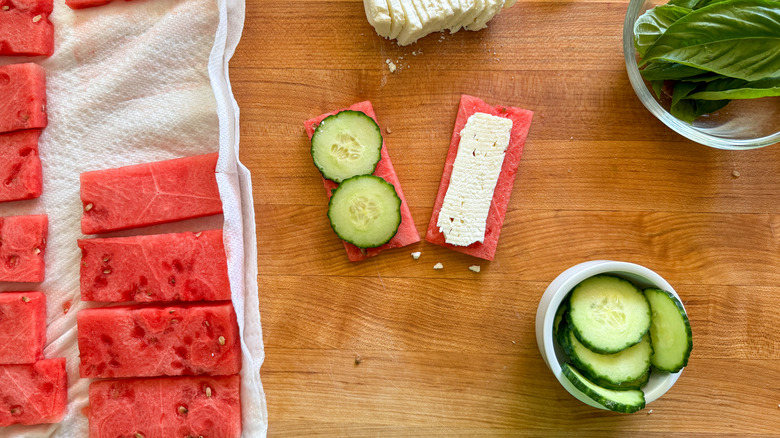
670, 331
608, 314
627, 401
346, 144
365, 211
617, 368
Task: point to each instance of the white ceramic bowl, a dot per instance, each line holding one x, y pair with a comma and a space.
560, 287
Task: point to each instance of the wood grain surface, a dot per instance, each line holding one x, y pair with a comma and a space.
391, 347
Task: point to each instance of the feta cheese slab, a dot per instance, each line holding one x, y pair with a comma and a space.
397, 17
490, 9
413, 28
483, 143
378, 15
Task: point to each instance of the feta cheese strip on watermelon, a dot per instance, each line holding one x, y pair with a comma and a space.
22, 327
26, 28
149, 194
147, 341
165, 407
407, 232
33, 394
164, 267
20, 165
23, 91
22, 248
482, 129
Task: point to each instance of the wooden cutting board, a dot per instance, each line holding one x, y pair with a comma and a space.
391, 347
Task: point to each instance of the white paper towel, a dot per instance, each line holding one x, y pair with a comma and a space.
134, 82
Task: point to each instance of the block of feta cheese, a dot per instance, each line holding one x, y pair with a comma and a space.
407, 232
22, 248
20, 166
34, 393
26, 29
147, 341
478, 177
164, 267
23, 91
22, 327
149, 194
165, 407
406, 21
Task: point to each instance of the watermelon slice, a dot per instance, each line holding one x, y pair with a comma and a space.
33, 394
149, 194
20, 166
22, 247
164, 267
26, 28
82, 4
23, 87
407, 233
521, 121
22, 327
165, 407
146, 341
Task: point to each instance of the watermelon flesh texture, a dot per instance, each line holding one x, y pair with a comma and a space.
26, 28
521, 122
165, 407
23, 105
148, 341
149, 194
407, 232
33, 394
22, 327
20, 165
23, 246
82, 4
164, 267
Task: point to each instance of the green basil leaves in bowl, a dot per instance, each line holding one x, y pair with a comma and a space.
709, 69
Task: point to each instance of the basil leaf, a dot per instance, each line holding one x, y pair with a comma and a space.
738, 89
666, 71
681, 90
735, 38
689, 4
653, 23
658, 88
689, 110
703, 3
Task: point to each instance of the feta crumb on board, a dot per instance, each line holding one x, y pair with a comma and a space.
438, 266
406, 21
416, 255
475, 171
474, 268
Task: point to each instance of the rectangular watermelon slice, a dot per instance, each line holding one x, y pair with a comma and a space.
407, 232
22, 327
147, 341
33, 394
164, 267
26, 29
22, 248
23, 106
521, 121
165, 407
20, 165
149, 194
82, 4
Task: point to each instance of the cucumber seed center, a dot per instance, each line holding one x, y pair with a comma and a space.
609, 311
347, 147
363, 212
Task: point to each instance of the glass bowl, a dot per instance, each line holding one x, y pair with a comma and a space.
552, 352
742, 124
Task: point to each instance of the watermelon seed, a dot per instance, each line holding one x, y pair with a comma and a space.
88, 207
36, 250
198, 234
172, 280
36, 18
25, 299
174, 321
221, 340
107, 271
5, 8
13, 260
208, 392
85, 264
106, 259
14, 411
206, 323
171, 311
139, 435
182, 410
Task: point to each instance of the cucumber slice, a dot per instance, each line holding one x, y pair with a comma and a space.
627, 401
365, 211
616, 368
346, 144
636, 384
559, 317
670, 331
608, 314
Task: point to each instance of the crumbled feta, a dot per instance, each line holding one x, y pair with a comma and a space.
475, 172
438, 266
474, 268
416, 255
392, 67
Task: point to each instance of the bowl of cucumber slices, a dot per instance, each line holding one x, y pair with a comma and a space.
614, 334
